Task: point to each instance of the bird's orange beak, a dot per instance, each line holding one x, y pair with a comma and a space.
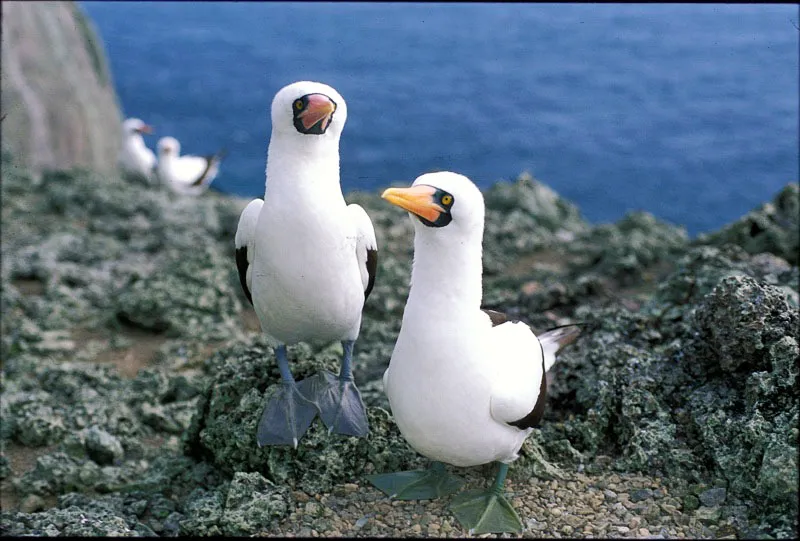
416, 199
320, 108
146, 129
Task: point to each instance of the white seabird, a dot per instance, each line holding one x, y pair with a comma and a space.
185, 175
134, 158
307, 262
465, 385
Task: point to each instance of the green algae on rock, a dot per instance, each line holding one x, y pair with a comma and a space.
696, 384
224, 428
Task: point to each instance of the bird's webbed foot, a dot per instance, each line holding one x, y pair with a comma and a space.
339, 402
286, 417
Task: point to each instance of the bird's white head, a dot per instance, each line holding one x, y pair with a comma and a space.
307, 110
133, 126
168, 146
447, 210
443, 205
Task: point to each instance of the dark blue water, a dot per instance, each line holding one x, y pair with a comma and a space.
687, 111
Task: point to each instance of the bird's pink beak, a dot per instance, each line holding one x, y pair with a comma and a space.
320, 108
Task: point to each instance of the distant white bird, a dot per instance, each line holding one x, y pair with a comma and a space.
465, 385
135, 159
307, 262
186, 175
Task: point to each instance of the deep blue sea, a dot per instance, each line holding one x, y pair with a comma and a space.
687, 111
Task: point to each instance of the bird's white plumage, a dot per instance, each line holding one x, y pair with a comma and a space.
186, 175
309, 247
454, 381
134, 157
365, 238
245, 235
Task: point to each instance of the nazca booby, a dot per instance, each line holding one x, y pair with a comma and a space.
307, 262
465, 385
185, 175
134, 158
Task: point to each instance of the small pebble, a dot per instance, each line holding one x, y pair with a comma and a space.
641, 494
713, 497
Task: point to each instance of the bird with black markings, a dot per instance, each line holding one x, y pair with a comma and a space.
466, 386
187, 174
307, 262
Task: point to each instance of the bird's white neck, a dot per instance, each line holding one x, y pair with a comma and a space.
134, 140
446, 273
303, 170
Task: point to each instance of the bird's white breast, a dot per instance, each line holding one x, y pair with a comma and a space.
306, 283
439, 384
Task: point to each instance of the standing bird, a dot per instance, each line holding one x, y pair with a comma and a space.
185, 175
307, 262
465, 385
135, 159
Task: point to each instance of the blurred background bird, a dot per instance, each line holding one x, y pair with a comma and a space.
185, 175
135, 159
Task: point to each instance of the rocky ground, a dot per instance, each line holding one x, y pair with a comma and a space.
133, 372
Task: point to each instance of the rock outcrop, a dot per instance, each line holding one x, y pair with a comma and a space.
134, 372
58, 99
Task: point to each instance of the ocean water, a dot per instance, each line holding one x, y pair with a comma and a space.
686, 111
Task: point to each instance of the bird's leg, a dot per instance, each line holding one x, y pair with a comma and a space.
487, 511
287, 414
339, 402
434, 482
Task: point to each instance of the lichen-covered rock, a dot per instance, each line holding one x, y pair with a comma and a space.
523, 216
741, 319
188, 294
697, 383
686, 366
772, 227
252, 504
224, 428
102, 447
57, 91
538, 201
624, 249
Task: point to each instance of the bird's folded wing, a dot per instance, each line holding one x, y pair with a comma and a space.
193, 170
517, 371
245, 243
366, 246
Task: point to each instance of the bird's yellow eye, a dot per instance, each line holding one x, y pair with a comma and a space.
447, 199
298, 104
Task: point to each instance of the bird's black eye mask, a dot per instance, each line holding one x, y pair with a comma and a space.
444, 200
313, 113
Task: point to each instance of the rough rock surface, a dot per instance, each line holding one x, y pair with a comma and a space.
134, 374
51, 55
773, 227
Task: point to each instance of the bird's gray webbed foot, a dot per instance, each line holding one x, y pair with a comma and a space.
286, 417
339, 402
429, 484
287, 414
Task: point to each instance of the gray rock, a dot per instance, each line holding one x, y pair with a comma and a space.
102, 447
713, 497
252, 504
641, 494
58, 95
772, 227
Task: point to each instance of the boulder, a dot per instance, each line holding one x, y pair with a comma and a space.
58, 97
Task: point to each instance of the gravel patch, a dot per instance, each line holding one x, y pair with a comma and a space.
580, 505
